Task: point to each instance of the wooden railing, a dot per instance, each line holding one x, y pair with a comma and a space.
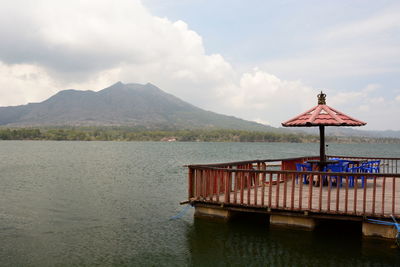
270, 184
387, 165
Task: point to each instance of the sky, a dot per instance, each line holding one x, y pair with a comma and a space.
264, 61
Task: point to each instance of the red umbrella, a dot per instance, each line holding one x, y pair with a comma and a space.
322, 115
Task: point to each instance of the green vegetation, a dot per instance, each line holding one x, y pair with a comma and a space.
140, 134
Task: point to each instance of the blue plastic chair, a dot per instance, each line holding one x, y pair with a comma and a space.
346, 163
301, 168
340, 167
376, 166
372, 166
369, 167
360, 169
351, 178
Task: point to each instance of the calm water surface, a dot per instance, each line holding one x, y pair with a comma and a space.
110, 204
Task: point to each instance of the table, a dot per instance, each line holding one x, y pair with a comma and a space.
321, 163
355, 162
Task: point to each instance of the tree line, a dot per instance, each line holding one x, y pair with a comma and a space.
215, 135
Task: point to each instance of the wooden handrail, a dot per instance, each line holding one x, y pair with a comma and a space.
289, 159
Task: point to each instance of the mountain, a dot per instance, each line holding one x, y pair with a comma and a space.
121, 104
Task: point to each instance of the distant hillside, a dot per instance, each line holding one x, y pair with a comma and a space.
346, 131
133, 105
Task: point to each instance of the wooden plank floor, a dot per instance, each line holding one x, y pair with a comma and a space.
322, 201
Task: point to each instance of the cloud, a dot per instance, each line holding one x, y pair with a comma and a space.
262, 121
351, 97
362, 47
87, 36
383, 22
259, 92
22, 83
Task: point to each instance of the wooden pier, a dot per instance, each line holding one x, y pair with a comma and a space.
276, 188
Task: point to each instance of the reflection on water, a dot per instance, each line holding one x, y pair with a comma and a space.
249, 243
109, 203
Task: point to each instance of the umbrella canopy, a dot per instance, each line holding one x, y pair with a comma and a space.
322, 115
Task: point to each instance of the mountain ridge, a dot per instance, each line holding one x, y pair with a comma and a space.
120, 105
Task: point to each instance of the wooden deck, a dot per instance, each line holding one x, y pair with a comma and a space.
242, 185
328, 200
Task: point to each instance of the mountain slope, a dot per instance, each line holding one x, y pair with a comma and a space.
120, 105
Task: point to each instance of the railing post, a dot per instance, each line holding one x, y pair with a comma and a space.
190, 183
320, 192
248, 187
256, 180
365, 195
328, 204
374, 196
300, 179
235, 185
293, 185
393, 196
383, 195
217, 184
278, 178
196, 183
338, 185
263, 180
241, 187
310, 185
270, 191
346, 197
227, 183
284, 190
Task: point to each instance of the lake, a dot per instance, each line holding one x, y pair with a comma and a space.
110, 204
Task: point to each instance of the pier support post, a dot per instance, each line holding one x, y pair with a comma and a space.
213, 213
378, 230
293, 221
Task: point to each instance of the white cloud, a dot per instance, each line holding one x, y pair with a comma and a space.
362, 47
364, 108
377, 100
351, 97
385, 21
341, 60
262, 121
22, 83
87, 36
259, 92
345, 97
372, 87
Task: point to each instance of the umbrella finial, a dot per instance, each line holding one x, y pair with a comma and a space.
321, 99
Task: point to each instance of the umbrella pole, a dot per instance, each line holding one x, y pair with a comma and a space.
321, 146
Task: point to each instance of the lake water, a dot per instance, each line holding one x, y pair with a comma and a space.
110, 204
